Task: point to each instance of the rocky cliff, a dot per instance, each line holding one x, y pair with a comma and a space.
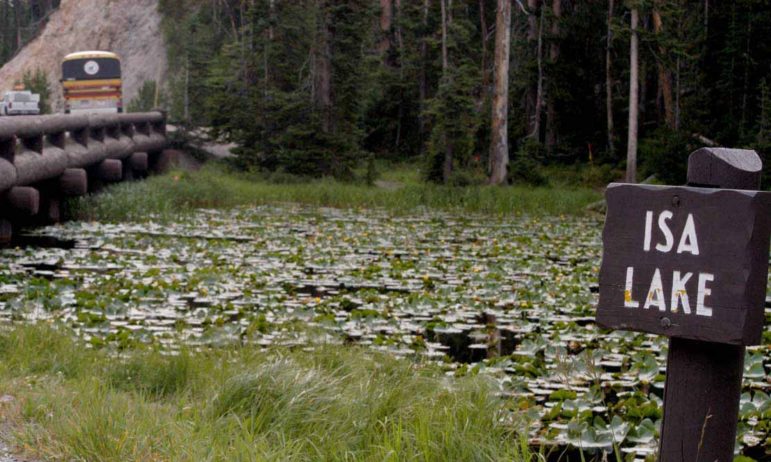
130, 28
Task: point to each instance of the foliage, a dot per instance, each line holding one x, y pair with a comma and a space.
267, 290
243, 404
665, 155
181, 192
251, 71
37, 82
20, 21
524, 168
146, 98
453, 111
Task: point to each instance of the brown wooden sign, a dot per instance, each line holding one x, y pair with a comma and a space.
685, 262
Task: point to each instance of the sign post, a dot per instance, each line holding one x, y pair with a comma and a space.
691, 263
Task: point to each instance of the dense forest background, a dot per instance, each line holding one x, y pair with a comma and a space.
319, 87
20, 21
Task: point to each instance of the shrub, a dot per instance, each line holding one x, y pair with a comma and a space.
524, 166
665, 155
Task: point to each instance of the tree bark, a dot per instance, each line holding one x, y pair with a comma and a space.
532, 20
400, 45
536, 133
745, 86
386, 23
706, 19
554, 52
532, 38
664, 77
677, 94
483, 28
609, 82
423, 86
186, 102
554, 48
631, 148
444, 34
448, 148
499, 144
322, 69
266, 49
17, 18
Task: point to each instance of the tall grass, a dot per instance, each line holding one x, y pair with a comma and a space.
214, 187
330, 403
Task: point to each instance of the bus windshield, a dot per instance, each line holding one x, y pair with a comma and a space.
91, 69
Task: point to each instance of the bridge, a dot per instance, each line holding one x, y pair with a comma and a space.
46, 159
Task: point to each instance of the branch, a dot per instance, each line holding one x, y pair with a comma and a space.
705, 140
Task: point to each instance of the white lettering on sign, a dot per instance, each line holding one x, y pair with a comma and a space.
687, 243
668, 238
648, 225
628, 301
656, 293
679, 293
703, 292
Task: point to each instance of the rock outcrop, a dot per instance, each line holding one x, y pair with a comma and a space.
130, 28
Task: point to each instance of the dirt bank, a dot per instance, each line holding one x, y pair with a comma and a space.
130, 28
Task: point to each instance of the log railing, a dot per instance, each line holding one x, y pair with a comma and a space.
46, 158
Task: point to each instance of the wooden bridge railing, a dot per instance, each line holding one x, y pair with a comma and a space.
46, 158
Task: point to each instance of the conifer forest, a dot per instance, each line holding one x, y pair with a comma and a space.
469, 86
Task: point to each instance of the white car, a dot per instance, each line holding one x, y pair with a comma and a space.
20, 103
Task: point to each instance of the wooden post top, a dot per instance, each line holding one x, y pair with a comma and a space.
725, 168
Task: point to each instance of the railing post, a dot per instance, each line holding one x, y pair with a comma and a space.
704, 379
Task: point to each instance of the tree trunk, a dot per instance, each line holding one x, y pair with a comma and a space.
448, 148
444, 35
483, 28
532, 38
609, 82
322, 71
423, 86
745, 85
532, 20
706, 19
536, 133
631, 148
186, 108
499, 144
386, 22
554, 48
17, 17
554, 52
400, 62
664, 77
677, 94
266, 50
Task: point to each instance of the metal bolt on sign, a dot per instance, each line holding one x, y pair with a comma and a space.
691, 263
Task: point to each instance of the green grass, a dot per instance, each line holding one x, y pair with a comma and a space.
78, 404
214, 187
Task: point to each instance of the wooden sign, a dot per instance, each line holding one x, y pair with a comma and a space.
692, 263
685, 262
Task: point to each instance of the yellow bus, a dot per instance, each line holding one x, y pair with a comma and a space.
92, 82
